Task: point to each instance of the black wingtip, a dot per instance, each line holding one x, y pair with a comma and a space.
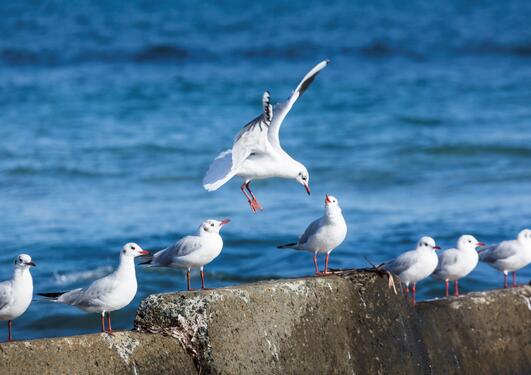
286, 245
51, 295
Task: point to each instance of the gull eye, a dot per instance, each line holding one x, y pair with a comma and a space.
132, 247
211, 224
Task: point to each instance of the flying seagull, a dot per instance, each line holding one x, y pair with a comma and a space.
256, 152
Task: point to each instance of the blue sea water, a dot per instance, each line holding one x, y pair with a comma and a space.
111, 112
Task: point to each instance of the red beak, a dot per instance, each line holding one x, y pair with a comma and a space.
327, 199
437, 247
224, 222
307, 188
480, 244
144, 252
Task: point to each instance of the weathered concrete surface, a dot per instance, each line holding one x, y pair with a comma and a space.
122, 353
305, 326
348, 323
344, 324
482, 333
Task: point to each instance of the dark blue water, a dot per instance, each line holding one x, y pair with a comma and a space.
110, 114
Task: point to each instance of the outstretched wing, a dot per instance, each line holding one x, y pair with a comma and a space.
282, 109
184, 246
252, 139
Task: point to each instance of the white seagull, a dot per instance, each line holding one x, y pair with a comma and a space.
324, 234
415, 265
110, 293
455, 264
256, 152
16, 294
193, 251
509, 256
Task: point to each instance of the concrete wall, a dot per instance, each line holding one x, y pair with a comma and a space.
351, 323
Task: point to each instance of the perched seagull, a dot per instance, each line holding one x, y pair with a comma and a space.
324, 234
193, 251
457, 263
16, 294
256, 152
415, 265
110, 293
509, 256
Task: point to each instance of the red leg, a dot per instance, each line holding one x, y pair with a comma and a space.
102, 322
109, 327
9, 338
407, 292
505, 281
188, 279
315, 263
414, 292
202, 278
326, 262
255, 203
446, 288
514, 279
456, 288
249, 199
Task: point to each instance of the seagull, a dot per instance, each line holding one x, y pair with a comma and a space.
256, 152
415, 265
110, 293
324, 234
16, 294
509, 256
193, 251
457, 263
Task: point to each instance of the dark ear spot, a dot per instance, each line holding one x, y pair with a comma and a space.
123, 251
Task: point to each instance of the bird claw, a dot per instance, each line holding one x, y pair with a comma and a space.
255, 205
327, 273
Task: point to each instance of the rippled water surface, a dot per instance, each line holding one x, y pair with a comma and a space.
110, 115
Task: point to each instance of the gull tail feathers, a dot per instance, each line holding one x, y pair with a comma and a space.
219, 172
287, 246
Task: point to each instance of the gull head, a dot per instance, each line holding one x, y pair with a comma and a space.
133, 250
525, 236
23, 261
468, 242
213, 226
427, 243
331, 201
303, 178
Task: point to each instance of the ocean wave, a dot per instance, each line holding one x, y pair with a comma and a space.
26, 170
471, 150
74, 277
171, 53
